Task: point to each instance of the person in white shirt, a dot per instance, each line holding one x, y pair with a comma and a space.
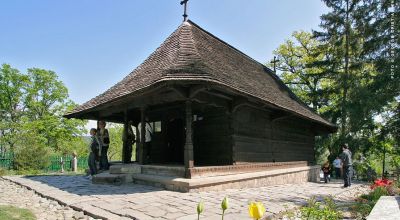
337, 163
147, 139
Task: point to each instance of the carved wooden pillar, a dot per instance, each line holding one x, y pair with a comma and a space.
188, 155
125, 144
142, 135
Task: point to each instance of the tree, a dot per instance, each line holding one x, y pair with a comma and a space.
32, 106
346, 71
46, 102
13, 87
300, 61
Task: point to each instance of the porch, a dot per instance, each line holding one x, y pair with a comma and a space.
172, 177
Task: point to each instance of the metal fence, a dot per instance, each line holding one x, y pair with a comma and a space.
7, 159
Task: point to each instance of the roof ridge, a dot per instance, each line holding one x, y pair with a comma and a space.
188, 58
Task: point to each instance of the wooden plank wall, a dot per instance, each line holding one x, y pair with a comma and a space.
257, 139
212, 138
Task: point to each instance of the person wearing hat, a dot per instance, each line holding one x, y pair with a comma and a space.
347, 165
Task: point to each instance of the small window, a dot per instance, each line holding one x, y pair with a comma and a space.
157, 126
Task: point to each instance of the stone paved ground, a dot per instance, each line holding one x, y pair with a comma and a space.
15, 195
145, 202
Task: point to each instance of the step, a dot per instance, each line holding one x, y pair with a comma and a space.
178, 171
115, 179
174, 171
165, 182
125, 169
243, 180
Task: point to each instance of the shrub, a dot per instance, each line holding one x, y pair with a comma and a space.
3, 172
325, 210
32, 157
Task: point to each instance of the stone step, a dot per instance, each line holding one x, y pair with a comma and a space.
165, 182
173, 171
163, 170
115, 179
125, 169
243, 180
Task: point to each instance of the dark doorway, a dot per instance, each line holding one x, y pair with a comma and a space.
175, 140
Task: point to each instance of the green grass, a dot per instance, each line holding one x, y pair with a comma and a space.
14, 213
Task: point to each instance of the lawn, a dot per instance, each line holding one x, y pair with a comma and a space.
14, 213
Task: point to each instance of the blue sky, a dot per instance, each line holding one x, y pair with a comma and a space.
92, 44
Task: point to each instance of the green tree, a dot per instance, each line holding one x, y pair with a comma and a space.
115, 149
345, 72
13, 87
46, 102
300, 66
32, 106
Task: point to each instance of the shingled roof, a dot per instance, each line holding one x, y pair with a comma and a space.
191, 53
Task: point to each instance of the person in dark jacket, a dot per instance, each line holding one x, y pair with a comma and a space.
93, 152
104, 141
347, 165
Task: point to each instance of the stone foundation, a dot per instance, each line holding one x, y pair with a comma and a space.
211, 178
236, 181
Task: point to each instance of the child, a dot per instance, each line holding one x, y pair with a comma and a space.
326, 168
93, 152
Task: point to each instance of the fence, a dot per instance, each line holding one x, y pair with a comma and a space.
6, 162
55, 163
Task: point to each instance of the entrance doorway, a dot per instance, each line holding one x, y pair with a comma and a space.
175, 140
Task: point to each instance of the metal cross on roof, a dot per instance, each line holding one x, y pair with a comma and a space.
184, 2
274, 62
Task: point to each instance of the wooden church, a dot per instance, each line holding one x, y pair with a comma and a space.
213, 110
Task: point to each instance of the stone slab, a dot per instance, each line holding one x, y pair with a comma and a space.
387, 208
144, 202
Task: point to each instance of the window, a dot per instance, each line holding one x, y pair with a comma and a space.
157, 126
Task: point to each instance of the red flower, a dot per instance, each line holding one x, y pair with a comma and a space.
381, 182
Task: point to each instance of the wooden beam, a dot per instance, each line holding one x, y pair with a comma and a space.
194, 90
125, 143
279, 115
142, 135
237, 103
188, 153
183, 93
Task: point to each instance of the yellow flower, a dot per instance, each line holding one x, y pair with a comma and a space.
256, 210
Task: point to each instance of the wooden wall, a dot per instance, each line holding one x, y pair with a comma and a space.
257, 139
212, 138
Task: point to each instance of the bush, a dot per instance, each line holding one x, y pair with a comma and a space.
3, 172
325, 210
32, 158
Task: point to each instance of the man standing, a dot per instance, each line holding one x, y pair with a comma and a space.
337, 163
347, 165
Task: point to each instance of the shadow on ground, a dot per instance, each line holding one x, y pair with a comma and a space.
81, 185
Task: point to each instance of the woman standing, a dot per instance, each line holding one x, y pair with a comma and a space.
105, 142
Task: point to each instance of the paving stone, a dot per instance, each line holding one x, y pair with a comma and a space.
143, 202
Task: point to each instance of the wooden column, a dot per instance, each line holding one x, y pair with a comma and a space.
137, 143
188, 155
125, 144
142, 135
